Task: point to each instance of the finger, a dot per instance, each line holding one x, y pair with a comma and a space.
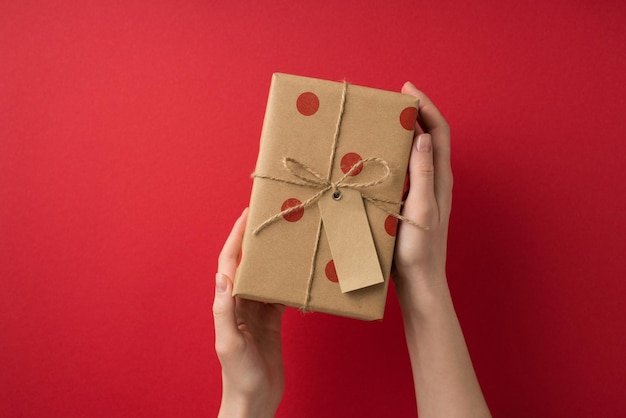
227, 261
434, 123
409, 88
429, 117
224, 318
280, 307
421, 205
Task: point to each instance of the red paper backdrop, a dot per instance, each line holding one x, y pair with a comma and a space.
128, 132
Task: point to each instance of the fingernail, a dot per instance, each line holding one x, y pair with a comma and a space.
424, 143
411, 85
221, 283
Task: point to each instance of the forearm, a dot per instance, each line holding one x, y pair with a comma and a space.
445, 382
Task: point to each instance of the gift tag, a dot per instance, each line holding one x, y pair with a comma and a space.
350, 239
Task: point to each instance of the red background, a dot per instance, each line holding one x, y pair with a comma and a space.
128, 132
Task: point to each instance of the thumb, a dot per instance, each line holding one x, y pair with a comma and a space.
421, 204
224, 318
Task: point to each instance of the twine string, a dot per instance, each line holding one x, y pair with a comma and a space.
333, 151
331, 163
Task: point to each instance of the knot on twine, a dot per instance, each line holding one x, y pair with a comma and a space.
305, 176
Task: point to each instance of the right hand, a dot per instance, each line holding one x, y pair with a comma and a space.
420, 255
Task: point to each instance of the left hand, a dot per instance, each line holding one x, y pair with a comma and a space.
247, 341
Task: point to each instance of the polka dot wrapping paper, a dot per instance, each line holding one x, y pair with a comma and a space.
329, 176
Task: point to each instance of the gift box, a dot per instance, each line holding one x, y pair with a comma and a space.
326, 194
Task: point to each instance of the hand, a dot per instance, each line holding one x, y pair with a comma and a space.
420, 255
247, 341
444, 378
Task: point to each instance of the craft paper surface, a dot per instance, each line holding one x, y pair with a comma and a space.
290, 260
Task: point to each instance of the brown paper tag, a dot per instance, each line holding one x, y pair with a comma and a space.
350, 240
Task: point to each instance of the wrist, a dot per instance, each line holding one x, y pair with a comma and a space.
422, 296
235, 405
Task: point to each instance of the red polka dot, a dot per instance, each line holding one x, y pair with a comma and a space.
296, 214
348, 161
308, 103
331, 273
391, 225
408, 118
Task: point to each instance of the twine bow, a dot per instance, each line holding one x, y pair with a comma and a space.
315, 180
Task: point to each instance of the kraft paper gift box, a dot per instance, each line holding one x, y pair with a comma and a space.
329, 178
